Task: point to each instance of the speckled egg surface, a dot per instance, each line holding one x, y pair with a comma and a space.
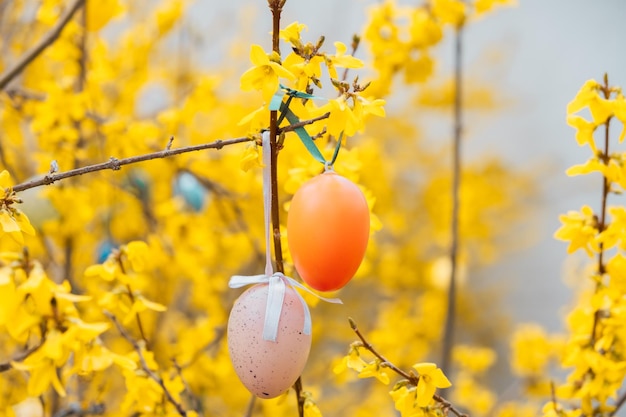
267, 368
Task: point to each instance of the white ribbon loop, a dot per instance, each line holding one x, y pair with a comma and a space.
277, 281
275, 298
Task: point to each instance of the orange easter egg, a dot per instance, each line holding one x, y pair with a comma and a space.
327, 231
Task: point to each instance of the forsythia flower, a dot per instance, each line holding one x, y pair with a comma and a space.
292, 32
430, 378
353, 361
588, 96
619, 109
374, 369
251, 158
449, 11
531, 350
265, 73
12, 220
341, 59
404, 401
584, 131
474, 359
579, 229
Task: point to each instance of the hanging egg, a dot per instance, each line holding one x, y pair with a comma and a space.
188, 187
327, 231
105, 248
267, 368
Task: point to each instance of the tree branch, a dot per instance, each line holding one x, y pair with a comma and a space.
448, 338
76, 410
115, 164
303, 123
411, 377
21, 356
46, 41
618, 404
144, 365
276, 7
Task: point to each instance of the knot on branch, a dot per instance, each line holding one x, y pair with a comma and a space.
115, 163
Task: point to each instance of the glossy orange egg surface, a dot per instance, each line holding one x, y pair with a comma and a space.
327, 231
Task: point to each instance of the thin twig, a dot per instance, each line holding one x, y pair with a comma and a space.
618, 404
46, 41
303, 123
605, 157
412, 378
193, 400
250, 407
356, 41
448, 338
21, 356
115, 164
120, 263
144, 364
76, 410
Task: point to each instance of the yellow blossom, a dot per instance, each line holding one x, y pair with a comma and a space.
374, 369
580, 230
342, 60
619, 109
484, 6
251, 158
589, 96
292, 32
474, 359
430, 378
449, 11
584, 131
265, 73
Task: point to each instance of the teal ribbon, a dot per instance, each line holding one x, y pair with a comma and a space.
277, 104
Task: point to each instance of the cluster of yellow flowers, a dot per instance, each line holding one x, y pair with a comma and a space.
597, 332
592, 350
401, 37
153, 244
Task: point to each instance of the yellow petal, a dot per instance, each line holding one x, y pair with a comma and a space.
5, 179
151, 305
23, 223
258, 56
8, 223
425, 392
282, 71
439, 379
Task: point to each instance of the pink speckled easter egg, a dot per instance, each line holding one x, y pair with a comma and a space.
267, 368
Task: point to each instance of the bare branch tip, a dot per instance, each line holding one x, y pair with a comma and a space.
352, 324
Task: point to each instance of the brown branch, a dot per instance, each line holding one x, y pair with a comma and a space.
276, 7
606, 188
144, 364
448, 337
409, 376
356, 41
115, 164
120, 263
250, 407
76, 410
21, 356
618, 404
192, 399
46, 41
303, 123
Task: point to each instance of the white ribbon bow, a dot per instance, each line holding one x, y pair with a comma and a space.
277, 281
